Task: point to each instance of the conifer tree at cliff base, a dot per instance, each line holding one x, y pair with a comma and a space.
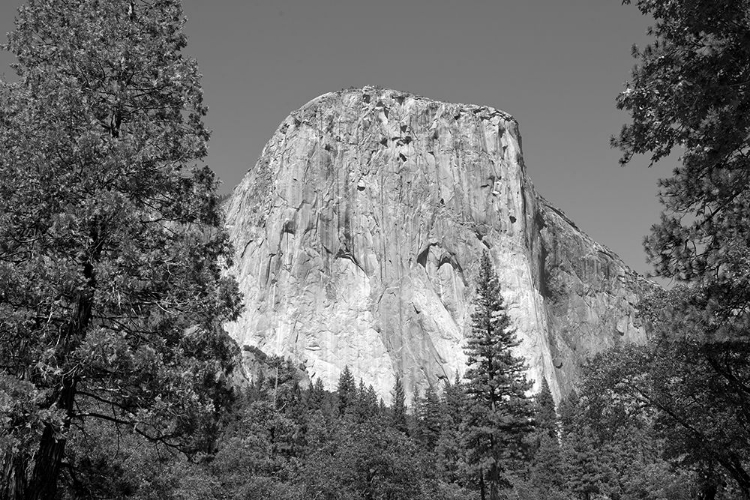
111, 247
500, 416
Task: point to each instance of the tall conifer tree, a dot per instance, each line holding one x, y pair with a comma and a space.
546, 416
347, 390
501, 413
398, 410
431, 417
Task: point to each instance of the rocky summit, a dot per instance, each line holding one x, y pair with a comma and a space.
358, 236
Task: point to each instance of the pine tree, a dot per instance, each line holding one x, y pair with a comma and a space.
111, 239
413, 426
455, 402
547, 469
371, 398
546, 417
365, 405
570, 418
584, 471
430, 417
347, 390
449, 449
398, 410
317, 395
501, 414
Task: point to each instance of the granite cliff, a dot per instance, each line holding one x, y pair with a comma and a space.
358, 235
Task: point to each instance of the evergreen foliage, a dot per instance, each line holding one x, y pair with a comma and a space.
398, 409
546, 416
500, 417
679, 383
570, 417
111, 239
365, 403
317, 395
449, 450
431, 417
455, 402
346, 390
547, 470
690, 90
413, 424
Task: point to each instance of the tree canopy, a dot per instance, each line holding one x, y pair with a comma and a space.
111, 239
690, 90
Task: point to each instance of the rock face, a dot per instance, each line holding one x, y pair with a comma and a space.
358, 236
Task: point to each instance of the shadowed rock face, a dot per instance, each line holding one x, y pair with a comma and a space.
358, 236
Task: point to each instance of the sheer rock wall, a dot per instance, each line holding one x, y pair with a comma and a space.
358, 235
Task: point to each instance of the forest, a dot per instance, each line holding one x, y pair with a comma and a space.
117, 379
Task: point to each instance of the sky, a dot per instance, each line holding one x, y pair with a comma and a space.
556, 65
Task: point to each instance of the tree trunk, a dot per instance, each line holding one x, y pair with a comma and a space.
49, 456
493, 479
43, 483
21, 483
482, 493
708, 491
738, 472
13, 485
493, 473
708, 483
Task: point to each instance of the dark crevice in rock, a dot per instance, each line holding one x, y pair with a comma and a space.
244, 249
422, 257
344, 254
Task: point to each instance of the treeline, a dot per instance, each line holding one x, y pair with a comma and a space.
280, 441
480, 437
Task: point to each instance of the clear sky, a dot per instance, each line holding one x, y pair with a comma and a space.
555, 65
